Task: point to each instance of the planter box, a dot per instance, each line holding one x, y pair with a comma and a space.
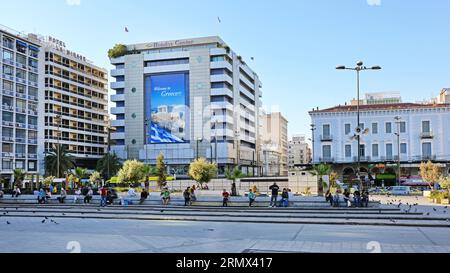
445, 201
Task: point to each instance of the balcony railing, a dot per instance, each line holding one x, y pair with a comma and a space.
326, 138
425, 135
326, 159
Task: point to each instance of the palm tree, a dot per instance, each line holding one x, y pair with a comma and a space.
66, 161
320, 171
19, 176
149, 171
108, 165
80, 173
233, 175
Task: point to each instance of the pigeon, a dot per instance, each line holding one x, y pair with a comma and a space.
162, 211
434, 209
46, 218
8, 223
34, 212
428, 214
445, 207
64, 214
392, 220
43, 221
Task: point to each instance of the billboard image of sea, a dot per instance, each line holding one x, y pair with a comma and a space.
167, 107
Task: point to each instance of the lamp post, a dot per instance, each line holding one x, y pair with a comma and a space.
359, 67
58, 118
398, 118
198, 140
313, 128
147, 135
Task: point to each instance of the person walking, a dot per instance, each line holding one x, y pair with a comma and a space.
225, 196
329, 197
103, 195
273, 200
193, 196
42, 198
144, 196
251, 197
62, 196
187, 197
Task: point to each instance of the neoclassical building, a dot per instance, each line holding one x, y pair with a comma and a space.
418, 132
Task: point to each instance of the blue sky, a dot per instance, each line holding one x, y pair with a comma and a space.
296, 44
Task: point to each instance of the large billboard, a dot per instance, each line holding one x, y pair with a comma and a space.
167, 107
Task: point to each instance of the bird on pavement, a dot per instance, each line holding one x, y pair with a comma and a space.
43, 221
392, 220
162, 211
8, 223
46, 218
445, 207
434, 209
428, 214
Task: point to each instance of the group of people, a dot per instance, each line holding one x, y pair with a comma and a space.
357, 199
189, 196
286, 195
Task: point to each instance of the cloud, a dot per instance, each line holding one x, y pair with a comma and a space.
370, 2
73, 2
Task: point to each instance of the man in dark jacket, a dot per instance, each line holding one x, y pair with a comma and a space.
273, 200
144, 196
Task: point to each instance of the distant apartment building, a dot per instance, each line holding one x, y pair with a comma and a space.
274, 144
444, 96
423, 129
74, 103
299, 152
379, 98
21, 69
186, 98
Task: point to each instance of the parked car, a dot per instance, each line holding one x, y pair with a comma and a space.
401, 190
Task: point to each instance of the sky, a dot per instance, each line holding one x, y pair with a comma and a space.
296, 44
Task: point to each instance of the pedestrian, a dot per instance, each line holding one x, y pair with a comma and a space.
251, 197
225, 196
187, 196
50, 188
273, 200
16, 192
111, 196
329, 197
166, 196
357, 198
42, 198
365, 199
193, 196
1, 190
62, 196
284, 198
103, 196
347, 198
77, 195
144, 196
88, 197
48, 195
337, 198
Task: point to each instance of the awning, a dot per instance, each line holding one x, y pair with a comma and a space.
22, 43
33, 48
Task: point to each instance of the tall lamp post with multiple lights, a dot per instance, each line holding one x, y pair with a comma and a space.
359, 67
398, 121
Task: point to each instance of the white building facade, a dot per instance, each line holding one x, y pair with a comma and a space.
424, 131
187, 99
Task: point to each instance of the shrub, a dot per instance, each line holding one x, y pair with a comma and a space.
118, 50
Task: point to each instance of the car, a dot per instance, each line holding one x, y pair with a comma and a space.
401, 190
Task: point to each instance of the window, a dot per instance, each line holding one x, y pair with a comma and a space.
362, 150
326, 151
375, 150
20, 148
20, 118
426, 126
389, 151
33, 77
167, 62
21, 74
31, 165
426, 150
6, 164
402, 127
7, 116
7, 148
8, 86
7, 132
20, 164
7, 55
8, 70
388, 128
217, 58
326, 130
348, 151
348, 129
21, 59
21, 89
32, 149
374, 128
403, 148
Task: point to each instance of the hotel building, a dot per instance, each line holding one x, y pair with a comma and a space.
74, 103
186, 98
20, 70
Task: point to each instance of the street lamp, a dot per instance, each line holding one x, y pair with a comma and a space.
397, 118
147, 135
359, 67
313, 128
58, 118
198, 140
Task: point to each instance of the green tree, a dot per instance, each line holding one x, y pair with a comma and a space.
108, 165
132, 172
19, 176
234, 175
430, 173
148, 171
48, 180
66, 161
202, 171
161, 170
320, 171
118, 50
80, 173
95, 177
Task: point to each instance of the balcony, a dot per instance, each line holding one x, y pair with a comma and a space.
32, 141
118, 123
117, 110
221, 92
117, 72
425, 158
21, 125
32, 156
362, 159
222, 64
8, 138
20, 155
117, 85
222, 78
326, 160
115, 98
21, 140
8, 77
32, 126
326, 138
7, 154
21, 95
8, 92
7, 107
118, 136
426, 135
8, 123
21, 110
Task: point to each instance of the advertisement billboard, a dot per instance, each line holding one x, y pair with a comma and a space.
167, 107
